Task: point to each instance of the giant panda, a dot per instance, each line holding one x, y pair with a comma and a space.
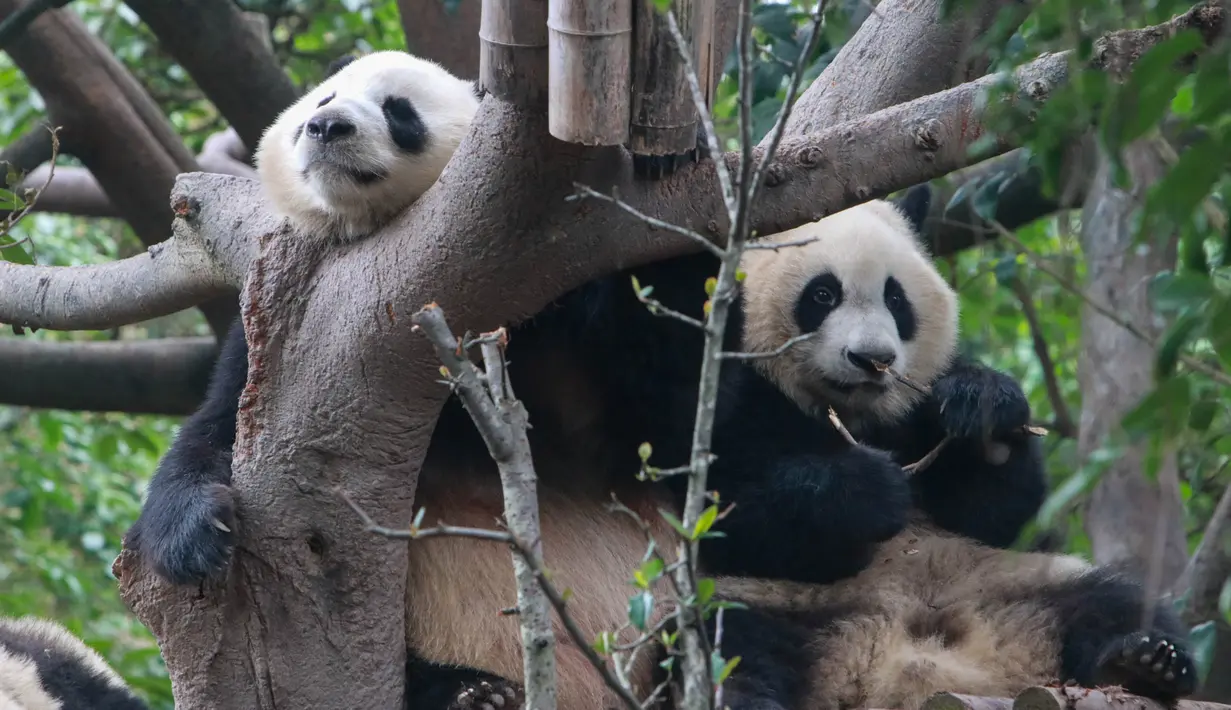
789, 478
341, 161
44, 667
913, 602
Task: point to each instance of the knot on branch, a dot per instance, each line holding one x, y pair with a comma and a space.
927, 135
810, 157
186, 207
775, 175
1038, 90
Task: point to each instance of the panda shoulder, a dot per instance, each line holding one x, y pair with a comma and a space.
41, 661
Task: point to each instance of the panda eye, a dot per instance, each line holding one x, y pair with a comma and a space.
894, 301
823, 296
398, 109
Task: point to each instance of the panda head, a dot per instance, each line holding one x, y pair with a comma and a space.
364, 144
870, 291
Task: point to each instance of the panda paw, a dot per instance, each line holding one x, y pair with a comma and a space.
980, 402
489, 695
1150, 664
186, 536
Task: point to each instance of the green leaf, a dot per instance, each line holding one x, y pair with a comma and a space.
604, 642
644, 451
10, 201
16, 253
723, 670
1201, 639
1224, 600
1172, 292
704, 522
987, 197
1177, 336
1219, 331
673, 522
1189, 181
705, 590
640, 609
651, 570
1201, 416
1211, 96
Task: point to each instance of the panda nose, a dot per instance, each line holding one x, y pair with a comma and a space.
327, 128
869, 360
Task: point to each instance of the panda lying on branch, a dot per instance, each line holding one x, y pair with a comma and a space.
931, 606
44, 667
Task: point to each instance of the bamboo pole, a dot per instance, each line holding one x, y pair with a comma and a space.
664, 119
513, 51
588, 55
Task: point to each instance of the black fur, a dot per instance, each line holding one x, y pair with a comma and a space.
430, 686
406, 126
66, 677
1097, 619
657, 167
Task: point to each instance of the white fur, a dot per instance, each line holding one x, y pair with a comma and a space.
21, 687
862, 246
314, 185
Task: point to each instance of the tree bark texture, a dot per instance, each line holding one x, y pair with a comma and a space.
448, 35
1130, 519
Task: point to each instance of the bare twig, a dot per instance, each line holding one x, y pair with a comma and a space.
837, 424
584, 192
790, 343
1064, 418
775, 246
503, 422
31, 196
913, 468
528, 557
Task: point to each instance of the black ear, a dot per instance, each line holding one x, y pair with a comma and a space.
336, 65
915, 205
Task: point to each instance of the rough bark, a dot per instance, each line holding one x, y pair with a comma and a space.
1075, 698
1131, 519
880, 65
342, 393
245, 82
448, 36
165, 376
78, 81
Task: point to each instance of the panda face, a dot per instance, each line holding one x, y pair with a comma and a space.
872, 297
364, 144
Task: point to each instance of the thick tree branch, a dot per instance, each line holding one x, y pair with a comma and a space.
129, 147
165, 376
15, 24
879, 66
245, 81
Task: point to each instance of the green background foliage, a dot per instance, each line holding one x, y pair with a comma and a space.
70, 483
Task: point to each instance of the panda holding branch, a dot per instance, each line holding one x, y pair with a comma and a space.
44, 667
918, 600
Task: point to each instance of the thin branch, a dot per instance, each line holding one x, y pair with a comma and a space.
837, 424
1064, 423
528, 557
775, 246
1209, 567
503, 422
584, 191
928, 459
790, 343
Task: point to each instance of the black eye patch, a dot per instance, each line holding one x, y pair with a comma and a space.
902, 309
406, 127
820, 297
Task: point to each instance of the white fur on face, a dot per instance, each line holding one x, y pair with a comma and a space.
350, 186
862, 246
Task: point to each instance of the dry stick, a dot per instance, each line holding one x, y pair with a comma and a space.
1039, 263
502, 420
11, 221
524, 553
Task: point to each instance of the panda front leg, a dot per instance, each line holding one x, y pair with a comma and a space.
988, 480
1102, 642
187, 524
811, 518
431, 686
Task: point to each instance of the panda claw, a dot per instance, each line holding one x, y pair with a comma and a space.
1157, 668
488, 695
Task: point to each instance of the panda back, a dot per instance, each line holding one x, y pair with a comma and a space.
42, 665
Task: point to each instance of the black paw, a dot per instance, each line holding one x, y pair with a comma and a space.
979, 403
489, 695
876, 486
1150, 664
185, 534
